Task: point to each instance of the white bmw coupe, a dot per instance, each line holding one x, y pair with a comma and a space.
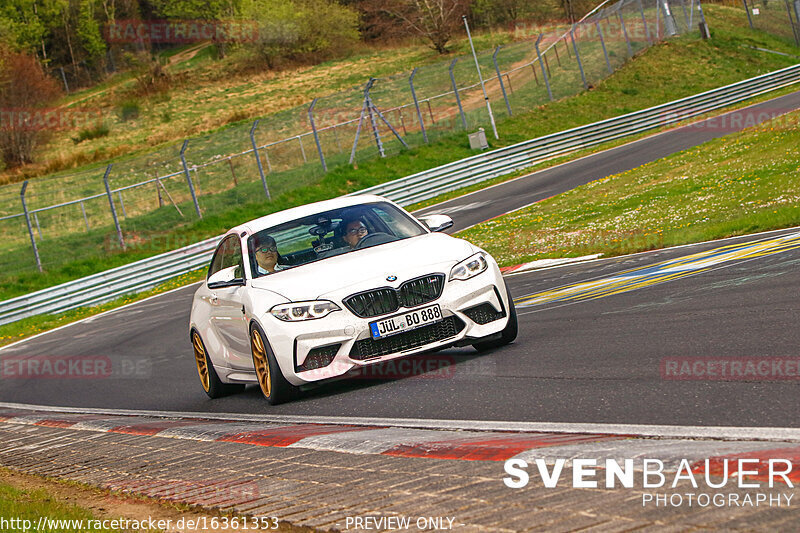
312, 293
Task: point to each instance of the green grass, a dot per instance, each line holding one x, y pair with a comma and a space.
29, 505
743, 183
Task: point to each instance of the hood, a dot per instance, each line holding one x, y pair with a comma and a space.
342, 275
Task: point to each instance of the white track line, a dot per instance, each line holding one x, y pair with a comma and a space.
639, 430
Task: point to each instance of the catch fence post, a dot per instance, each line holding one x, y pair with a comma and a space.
416, 105
30, 228
500, 79
541, 64
258, 159
455, 91
188, 178
316, 135
577, 56
113, 209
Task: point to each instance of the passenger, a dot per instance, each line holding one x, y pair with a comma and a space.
266, 251
354, 231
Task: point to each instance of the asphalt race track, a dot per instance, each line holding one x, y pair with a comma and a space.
488, 203
585, 353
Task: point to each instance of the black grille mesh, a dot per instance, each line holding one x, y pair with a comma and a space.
484, 313
420, 290
318, 357
444, 329
373, 303
383, 301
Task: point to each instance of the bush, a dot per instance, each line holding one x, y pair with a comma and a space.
26, 89
305, 30
87, 134
129, 110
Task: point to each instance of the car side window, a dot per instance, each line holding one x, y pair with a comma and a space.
228, 254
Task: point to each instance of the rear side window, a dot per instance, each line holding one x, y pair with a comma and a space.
228, 254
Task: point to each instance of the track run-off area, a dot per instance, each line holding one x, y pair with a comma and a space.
678, 336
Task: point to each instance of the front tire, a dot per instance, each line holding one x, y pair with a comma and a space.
209, 380
509, 332
270, 378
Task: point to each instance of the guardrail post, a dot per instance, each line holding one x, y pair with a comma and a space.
541, 64
316, 135
603, 44
625, 33
258, 158
188, 178
577, 56
30, 228
416, 105
113, 209
500, 79
455, 91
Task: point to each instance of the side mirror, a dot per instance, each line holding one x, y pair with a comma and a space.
227, 277
437, 222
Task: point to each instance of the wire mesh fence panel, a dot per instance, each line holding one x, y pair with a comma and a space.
778, 17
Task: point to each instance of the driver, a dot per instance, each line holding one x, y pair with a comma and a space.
267, 255
354, 231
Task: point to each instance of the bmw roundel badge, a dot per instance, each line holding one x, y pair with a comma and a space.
391, 278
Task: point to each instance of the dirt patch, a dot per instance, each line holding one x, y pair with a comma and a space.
107, 505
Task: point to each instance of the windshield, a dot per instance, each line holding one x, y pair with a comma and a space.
328, 234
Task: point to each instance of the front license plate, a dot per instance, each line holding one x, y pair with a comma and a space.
405, 322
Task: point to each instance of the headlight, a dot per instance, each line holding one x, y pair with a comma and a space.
469, 267
297, 311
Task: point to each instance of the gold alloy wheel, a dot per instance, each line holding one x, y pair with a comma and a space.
261, 362
200, 360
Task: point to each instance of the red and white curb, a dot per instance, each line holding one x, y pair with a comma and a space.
465, 445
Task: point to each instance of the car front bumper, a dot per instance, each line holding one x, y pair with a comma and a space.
345, 339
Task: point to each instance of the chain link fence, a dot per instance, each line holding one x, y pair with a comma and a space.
778, 17
72, 217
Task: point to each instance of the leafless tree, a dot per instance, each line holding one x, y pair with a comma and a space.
435, 20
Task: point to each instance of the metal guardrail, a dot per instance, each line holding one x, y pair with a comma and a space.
147, 273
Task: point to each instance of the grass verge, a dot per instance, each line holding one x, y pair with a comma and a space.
743, 183
29, 497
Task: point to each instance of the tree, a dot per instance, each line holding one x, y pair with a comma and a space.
434, 20
25, 89
88, 31
199, 10
306, 30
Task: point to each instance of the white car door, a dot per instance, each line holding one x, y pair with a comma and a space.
226, 315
